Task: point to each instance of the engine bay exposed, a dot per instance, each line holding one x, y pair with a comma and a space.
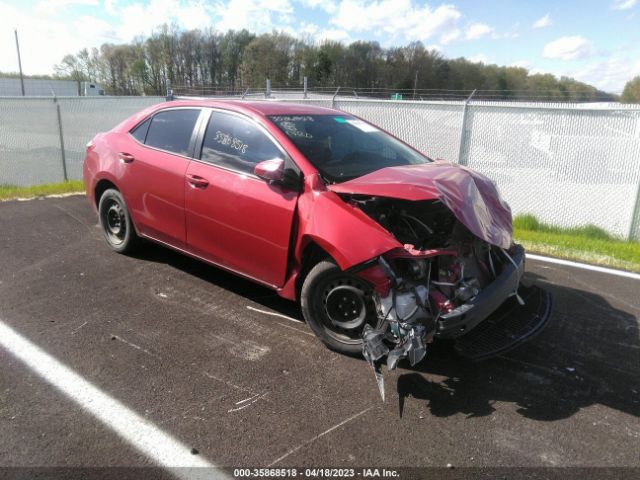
440, 271
425, 225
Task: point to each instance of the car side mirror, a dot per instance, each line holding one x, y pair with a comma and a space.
270, 170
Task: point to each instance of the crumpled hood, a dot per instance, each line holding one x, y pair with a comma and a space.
472, 197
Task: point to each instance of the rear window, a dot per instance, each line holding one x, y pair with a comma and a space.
171, 130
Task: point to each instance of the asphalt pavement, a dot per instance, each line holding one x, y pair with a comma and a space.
230, 370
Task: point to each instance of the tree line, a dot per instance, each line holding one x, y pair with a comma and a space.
208, 61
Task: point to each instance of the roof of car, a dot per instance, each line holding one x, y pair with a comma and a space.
263, 107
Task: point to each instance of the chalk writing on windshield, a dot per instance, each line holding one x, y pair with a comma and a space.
292, 129
292, 118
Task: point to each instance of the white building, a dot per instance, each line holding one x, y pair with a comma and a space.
34, 87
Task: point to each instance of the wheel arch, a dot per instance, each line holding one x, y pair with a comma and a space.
312, 254
102, 186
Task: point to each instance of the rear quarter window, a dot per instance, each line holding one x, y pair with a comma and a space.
171, 130
140, 132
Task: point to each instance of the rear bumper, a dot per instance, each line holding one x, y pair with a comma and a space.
464, 318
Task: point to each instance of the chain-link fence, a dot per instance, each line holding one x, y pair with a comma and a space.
567, 164
33, 132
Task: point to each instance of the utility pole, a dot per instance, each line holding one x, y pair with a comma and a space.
19, 61
415, 85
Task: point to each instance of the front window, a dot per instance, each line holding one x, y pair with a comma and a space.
236, 143
342, 147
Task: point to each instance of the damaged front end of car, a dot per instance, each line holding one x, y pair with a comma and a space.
457, 273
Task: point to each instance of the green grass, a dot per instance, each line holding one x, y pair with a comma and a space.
8, 192
588, 243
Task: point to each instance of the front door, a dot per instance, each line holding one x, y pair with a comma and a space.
234, 218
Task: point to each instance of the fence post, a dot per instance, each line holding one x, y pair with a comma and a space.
463, 131
333, 99
267, 90
61, 135
634, 228
304, 83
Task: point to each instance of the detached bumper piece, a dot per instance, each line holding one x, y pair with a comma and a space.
510, 325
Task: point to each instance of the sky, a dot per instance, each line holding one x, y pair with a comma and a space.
597, 42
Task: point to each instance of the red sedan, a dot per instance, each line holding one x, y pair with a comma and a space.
384, 248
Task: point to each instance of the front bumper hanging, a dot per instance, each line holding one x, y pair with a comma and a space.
467, 316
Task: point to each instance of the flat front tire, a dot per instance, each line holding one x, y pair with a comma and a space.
117, 228
337, 306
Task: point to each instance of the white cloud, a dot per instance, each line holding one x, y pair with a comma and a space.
396, 18
542, 22
315, 33
111, 6
514, 32
476, 31
609, 75
328, 6
193, 15
44, 40
255, 15
142, 19
450, 36
51, 7
568, 48
309, 29
93, 29
623, 4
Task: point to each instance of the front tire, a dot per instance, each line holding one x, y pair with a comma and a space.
117, 227
337, 306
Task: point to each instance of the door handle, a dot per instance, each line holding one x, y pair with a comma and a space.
197, 181
126, 157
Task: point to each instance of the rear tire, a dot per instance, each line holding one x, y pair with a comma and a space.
336, 306
117, 227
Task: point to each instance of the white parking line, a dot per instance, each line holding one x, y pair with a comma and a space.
584, 266
139, 432
274, 314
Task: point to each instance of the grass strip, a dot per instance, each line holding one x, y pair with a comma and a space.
589, 244
9, 192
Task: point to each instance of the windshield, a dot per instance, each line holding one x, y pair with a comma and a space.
342, 147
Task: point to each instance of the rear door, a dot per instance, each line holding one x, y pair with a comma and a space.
234, 218
156, 159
